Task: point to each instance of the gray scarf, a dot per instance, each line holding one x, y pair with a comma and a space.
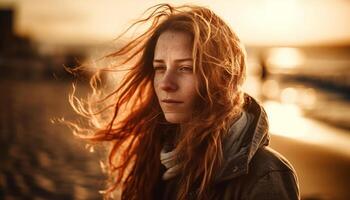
231, 146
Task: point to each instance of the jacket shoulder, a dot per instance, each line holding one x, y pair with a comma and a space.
267, 160
270, 176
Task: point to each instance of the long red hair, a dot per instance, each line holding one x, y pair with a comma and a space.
135, 126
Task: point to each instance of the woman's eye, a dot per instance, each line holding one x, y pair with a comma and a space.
186, 69
159, 68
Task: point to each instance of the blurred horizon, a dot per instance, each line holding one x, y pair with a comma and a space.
257, 22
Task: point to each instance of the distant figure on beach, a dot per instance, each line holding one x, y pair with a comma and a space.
263, 67
263, 75
178, 124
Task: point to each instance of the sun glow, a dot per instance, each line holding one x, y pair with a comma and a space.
285, 58
257, 22
287, 120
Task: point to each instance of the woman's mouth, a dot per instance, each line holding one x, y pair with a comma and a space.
171, 101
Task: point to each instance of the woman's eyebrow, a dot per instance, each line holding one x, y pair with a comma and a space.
183, 60
158, 61
177, 60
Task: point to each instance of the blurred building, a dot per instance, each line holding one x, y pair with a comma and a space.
20, 58
12, 45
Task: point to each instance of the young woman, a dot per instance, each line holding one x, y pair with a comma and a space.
181, 127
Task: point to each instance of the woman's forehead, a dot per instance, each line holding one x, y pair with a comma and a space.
174, 44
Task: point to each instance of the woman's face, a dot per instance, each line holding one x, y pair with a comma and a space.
174, 80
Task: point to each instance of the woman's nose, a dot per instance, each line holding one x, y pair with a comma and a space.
168, 83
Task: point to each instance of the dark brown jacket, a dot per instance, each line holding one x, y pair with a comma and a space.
255, 172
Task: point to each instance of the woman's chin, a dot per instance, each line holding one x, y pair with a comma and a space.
176, 118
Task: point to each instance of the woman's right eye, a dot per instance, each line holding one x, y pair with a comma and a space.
159, 68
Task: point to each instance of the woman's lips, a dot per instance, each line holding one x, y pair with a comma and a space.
171, 101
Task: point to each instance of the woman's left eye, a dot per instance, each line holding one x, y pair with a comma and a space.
186, 69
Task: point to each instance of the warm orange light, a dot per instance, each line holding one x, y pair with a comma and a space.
287, 120
263, 22
271, 89
285, 58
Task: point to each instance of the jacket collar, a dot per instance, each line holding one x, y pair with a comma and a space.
255, 136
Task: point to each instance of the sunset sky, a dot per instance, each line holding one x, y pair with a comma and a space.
258, 22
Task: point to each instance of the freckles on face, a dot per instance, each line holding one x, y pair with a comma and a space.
174, 80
